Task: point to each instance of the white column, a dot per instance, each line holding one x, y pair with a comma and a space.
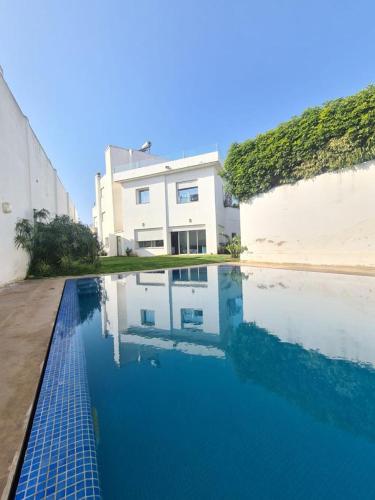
98, 207
167, 243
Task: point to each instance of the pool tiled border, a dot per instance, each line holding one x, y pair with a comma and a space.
60, 459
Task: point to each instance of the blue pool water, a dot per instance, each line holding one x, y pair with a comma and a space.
230, 382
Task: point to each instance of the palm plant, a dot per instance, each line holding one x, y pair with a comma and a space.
55, 245
27, 233
234, 246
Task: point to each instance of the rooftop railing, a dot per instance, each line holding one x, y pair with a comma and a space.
153, 160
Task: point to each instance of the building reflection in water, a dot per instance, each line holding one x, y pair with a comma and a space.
309, 337
182, 309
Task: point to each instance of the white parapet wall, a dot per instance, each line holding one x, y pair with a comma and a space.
327, 220
28, 181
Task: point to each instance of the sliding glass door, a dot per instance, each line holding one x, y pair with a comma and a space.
183, 242
188, 242
193, 241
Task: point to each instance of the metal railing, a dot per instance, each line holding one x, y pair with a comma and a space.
155, 160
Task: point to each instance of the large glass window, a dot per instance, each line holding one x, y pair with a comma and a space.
187, 195
143, 196
192, 319
192, 242
147, 317
202, 241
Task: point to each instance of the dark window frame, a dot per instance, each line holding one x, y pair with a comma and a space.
138, 196
192, 198
151, 244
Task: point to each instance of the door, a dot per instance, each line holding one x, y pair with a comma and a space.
188, 242
174, 243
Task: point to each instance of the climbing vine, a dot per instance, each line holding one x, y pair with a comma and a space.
337, 135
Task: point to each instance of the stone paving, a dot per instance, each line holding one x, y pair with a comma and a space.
27, 314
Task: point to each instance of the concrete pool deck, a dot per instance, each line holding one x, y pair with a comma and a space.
27, 315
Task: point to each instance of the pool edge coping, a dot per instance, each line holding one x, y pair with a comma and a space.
16, 466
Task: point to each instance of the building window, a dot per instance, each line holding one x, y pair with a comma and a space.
151, 244
192, 319
147, 317
187, 194
143, 196
231, 201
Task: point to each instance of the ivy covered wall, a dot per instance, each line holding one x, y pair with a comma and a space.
337, 135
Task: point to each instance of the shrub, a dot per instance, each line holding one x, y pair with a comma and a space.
234, 247
331, 137
66, 263
42, 268
57, 242
128, 251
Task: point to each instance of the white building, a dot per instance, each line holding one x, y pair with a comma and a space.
155, 206
28, 181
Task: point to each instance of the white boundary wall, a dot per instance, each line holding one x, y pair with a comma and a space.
329, 219
27, 181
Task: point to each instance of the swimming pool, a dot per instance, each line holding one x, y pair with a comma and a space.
222, 382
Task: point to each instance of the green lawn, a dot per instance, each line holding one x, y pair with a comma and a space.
123, 264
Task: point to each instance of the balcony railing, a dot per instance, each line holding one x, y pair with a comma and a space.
147, 162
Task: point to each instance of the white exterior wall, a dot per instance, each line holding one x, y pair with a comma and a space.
144, 216
165, 213
124, 217
61, 198
27, 181
329, 219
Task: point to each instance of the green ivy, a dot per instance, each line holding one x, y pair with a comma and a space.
337, 135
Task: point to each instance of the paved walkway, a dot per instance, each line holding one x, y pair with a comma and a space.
27, 315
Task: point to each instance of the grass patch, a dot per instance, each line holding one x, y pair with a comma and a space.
124, 264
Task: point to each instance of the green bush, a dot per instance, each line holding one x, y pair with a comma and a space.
56, 244
66, 263
331, 137
234, 247
42, 268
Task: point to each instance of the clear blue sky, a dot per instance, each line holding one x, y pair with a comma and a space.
180, 73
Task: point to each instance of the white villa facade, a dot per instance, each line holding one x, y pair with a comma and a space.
154, 206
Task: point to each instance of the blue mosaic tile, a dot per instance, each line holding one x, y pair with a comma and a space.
60, 459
